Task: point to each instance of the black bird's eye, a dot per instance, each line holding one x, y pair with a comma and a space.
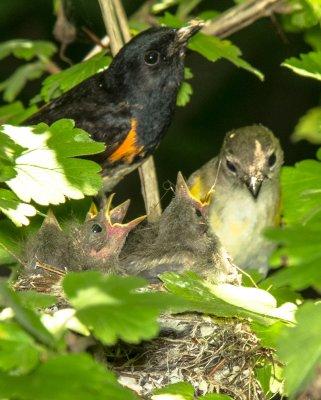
152, 57
230, 166
272, 160
198, 213
96, 228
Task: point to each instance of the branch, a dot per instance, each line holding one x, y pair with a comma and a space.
242, 15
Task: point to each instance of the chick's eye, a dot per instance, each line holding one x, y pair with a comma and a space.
230, 166
96, 228
272, 160
152, 57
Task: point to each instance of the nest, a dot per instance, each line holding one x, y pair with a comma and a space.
213, 356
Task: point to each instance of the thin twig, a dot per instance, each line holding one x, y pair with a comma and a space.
240, 16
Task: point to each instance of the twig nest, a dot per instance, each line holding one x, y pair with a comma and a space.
214, 356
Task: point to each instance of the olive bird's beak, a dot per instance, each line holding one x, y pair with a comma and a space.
185, 33
254, 185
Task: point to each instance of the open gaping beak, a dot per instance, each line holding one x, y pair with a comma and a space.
254, 185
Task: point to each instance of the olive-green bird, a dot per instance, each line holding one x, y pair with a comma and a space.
244, 182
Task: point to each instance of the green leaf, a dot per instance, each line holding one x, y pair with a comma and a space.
309, 127
313, 38
302, 17
18, 351
301, 191
10, 241
214, 48
215, 396
25, 317
112, 307
184, 94
268, 335
32, 299
14, 113
9, 151
308, 65
27, 49
263, 375
56, 84
223, 300
15, 209
300, 348
47, 171
12, 86
183, 389
73, 376
161, 5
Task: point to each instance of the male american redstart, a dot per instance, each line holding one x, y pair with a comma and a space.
130, 105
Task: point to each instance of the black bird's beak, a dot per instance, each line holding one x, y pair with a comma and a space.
185, 33
254, 185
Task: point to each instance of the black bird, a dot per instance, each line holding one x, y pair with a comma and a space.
130, 105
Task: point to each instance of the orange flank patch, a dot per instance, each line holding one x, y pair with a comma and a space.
128, 149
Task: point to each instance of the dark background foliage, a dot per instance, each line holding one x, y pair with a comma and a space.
224, 97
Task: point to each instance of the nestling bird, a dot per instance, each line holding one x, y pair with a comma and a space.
245, 183
179, 241
95, 244
130, 105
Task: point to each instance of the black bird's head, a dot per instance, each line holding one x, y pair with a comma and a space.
152, 61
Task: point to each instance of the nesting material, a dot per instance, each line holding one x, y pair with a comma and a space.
213, 356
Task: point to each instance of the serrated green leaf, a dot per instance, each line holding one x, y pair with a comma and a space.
27, 49
73, 376
15, 209
215, 396
180, 390
309, 127
263, 375
302, 17
112, 308
268, 335
308, 65
184, 94
200, 296
313, 38
18, 351
184, 391
33, 300
300, 365
12, 86
10, 239
47, 171
26, 317
214, 48
10, 110
301, 191
56, 84
9, 151
162, 5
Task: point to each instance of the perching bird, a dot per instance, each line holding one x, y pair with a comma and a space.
245, 183
95, 244
179, 241
130, 105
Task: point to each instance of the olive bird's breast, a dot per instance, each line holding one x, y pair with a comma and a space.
239, 221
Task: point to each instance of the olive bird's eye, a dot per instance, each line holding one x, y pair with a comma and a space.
230, 166
152, 57
272, 160
96, 228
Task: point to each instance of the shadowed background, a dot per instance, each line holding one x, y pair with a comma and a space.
225, 97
